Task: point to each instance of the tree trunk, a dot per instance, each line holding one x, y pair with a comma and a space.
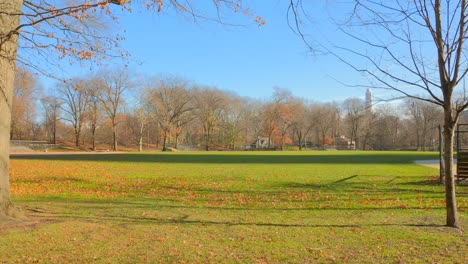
450, 197
8, 49
93, 136
299, 137
54, 133
114, 137
418, 146
164, 140
207, 141
77, 139
140, 143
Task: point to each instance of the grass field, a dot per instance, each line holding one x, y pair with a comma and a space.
229, 207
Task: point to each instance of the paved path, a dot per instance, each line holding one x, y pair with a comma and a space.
432, 163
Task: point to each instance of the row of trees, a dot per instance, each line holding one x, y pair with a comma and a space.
111, 109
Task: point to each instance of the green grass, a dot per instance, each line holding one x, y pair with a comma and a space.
249, 207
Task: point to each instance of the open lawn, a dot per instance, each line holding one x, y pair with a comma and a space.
248, 207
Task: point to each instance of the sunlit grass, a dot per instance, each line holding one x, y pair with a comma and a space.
234, 207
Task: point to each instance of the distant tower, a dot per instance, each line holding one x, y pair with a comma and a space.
369, 99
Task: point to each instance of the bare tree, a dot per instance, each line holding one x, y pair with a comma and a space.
169, 101
354, 110
424, 116
389, 125
209, 107
232, 122
23, 111
137, 121
301, 121
324, 117
412, 48
74, 97
51, 108
113, 85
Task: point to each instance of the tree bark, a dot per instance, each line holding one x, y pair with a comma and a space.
207, 143
8, 50
77, 138
299, 137
114, 137
164, 140
93, 136
451, 203
140, 143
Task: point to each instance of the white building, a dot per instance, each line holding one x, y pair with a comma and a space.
369, 99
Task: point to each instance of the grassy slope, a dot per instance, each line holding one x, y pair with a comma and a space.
247, 207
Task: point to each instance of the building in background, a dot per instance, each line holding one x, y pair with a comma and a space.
369, 99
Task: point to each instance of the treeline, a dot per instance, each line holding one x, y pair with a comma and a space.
111, 110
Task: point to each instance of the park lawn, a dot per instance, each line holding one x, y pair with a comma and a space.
248, 207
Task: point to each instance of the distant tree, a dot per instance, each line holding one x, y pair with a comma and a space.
137, 121
169, 101
269, 117
253, 121
301, 121
74, 96
426, 118
354, 110
389, 127
209, 106
51, 107
23, 109
233, 122
109, 92
94, 115
284, 114
324, 117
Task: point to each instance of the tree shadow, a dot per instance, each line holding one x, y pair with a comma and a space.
345, 184
155, 204
53, 179
184, 219
345, 179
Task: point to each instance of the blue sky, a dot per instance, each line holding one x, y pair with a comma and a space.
248, 60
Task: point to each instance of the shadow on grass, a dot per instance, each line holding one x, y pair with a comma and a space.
184, 219
53, 179
106, 208
247, 158
346, 185
347, 178
232, 223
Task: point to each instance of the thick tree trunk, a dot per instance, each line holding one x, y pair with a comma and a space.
8, 48
450, 197
77, 139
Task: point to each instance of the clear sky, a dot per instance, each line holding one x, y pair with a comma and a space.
248, 60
